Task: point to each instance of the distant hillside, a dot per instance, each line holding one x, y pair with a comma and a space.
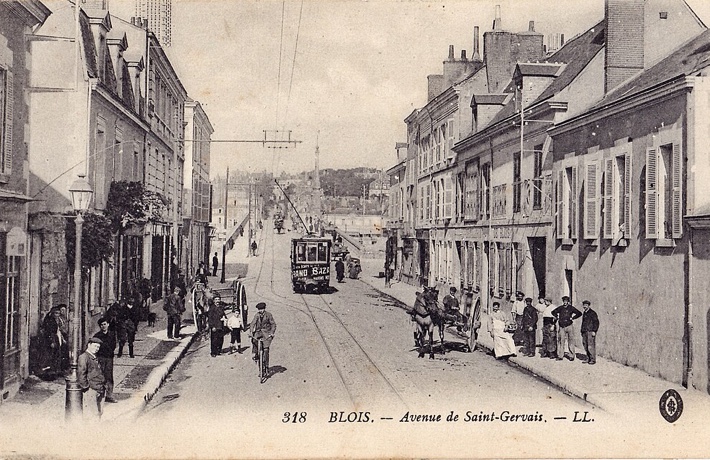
346, 182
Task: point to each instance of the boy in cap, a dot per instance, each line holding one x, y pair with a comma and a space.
590, 326
91, 378
262, 327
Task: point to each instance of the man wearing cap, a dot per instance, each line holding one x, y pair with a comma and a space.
91, 378
566, 314
105, 355
216, 320
451, 306
529, 327
590, 326
517, 310
174, 306
262, 327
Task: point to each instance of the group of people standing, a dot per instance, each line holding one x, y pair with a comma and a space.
558, 331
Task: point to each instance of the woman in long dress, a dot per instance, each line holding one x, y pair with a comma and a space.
503, 345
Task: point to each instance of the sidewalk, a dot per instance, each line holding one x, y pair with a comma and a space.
608, 385
136, 380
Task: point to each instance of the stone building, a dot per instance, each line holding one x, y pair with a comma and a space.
17, 19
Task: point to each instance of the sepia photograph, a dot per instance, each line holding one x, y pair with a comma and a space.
382, 229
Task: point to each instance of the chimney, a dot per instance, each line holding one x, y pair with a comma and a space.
531, 26
497, 21
435, 86
463, 55
624, 41
451, 52
475, 55
562, 40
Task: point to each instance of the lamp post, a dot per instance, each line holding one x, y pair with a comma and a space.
81, 193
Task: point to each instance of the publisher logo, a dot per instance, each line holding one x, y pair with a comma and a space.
671, 406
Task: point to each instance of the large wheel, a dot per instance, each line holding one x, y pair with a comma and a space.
241, 300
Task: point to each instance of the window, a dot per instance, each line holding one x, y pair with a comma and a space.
517, 183
6, 115
447, 196
567, 203
486, 190
451, 138
537, 177
472, 205
592, 203
10, 296
617, 195
664, 188
437, 143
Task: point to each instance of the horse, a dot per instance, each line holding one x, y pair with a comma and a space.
422, 315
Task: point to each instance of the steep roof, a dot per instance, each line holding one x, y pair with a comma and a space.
539, 69
576, 54
687, 60
87, 38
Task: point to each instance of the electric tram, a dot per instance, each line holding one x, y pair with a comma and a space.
310, 263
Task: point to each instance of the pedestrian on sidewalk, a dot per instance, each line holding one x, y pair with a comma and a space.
174, 306
549, 335
235, 324
216, 320
63, 324
339, 270
503, 345
517, 311
201, 274
566, 314
127, 323
105, 356
590, 326
215, 264
529, 327
51, 345
91, 379
253, 248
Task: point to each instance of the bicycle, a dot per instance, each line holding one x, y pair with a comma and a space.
262, 360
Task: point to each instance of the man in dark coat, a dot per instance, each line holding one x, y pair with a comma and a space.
216, 321
262, 327
105, 356
174, 306
566, 314
339, 270
529, 326
215, 264
590, 326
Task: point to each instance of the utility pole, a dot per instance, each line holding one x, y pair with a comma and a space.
224, 244
250, 226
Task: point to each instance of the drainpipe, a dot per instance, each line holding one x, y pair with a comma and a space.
688, 371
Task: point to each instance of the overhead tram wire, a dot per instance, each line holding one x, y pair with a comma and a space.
278, 83
293, 64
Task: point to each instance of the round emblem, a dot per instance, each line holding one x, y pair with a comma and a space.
671, 406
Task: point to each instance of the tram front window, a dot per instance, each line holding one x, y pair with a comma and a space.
312, 253
300, 253
322, 252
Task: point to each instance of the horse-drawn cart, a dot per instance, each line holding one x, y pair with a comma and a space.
233, 296
428, 313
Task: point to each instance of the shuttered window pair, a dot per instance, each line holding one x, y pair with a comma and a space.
607, 197
566, 199
7, 101
664, 191
472, 198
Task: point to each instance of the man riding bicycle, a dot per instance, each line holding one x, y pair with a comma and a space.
262, 327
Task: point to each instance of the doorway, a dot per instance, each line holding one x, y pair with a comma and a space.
538, 254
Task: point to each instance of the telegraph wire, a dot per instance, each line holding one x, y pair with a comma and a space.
293, 63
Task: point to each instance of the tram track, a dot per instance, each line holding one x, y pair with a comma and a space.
362, 378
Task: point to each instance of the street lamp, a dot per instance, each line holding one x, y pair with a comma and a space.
81, 193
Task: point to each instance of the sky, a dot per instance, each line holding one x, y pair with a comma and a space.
343, 77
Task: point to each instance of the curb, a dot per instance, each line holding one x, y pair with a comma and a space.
140, 399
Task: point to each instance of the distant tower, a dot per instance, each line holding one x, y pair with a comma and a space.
158, 13
316, 183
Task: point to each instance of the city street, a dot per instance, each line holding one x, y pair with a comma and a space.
347, 356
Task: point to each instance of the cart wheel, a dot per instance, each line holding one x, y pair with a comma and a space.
471, 339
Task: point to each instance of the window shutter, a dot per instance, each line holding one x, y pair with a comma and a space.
7, 135
448, 196
608, 198
591, 203
492, 259
561, 232
452, 138
574, 195
651, 193
677, 191
627, 195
